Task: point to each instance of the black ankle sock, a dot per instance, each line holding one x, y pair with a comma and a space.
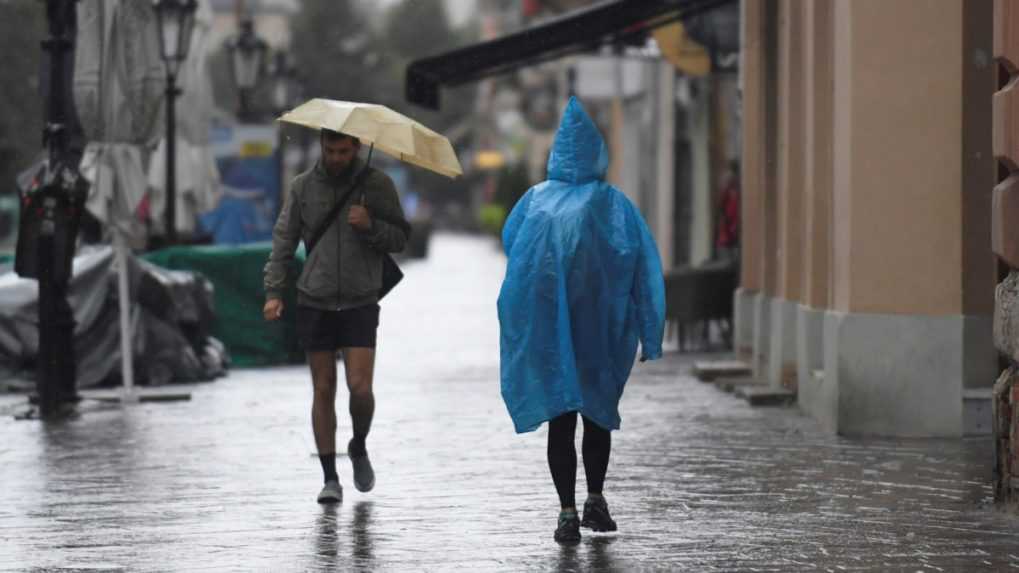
356, 447
329, 467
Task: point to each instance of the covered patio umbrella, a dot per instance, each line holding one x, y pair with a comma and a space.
118, 89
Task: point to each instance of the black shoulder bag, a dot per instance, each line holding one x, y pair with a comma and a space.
391, 273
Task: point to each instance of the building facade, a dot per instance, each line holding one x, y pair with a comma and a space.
867, 279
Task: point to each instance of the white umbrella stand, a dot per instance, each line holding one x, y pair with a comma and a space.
129, 323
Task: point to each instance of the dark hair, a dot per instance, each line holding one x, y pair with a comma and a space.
328, 135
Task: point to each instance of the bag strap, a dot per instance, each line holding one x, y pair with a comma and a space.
330, 217
399, 222
402, 224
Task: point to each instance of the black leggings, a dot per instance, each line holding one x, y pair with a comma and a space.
562, 456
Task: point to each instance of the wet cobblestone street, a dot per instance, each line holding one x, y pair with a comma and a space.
698, 480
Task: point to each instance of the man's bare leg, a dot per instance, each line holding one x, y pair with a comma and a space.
323, 409
360, 368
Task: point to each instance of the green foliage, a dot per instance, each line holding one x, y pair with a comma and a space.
511, 184
22, 28
342, 54
417, 29
492, 217
337, 51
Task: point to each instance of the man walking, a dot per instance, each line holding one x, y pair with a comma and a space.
338, 290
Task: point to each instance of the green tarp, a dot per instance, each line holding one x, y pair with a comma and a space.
236, 274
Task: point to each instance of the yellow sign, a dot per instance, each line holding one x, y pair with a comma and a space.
489, 159
687, 55
256, 149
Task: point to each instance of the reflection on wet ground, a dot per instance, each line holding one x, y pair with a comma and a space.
698, 480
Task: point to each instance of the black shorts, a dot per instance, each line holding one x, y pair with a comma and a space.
327, 330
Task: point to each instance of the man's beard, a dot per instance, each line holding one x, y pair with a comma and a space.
336, 171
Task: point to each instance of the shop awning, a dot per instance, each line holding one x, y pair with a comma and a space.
612, 22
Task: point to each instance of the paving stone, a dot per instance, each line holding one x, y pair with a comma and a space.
698, 480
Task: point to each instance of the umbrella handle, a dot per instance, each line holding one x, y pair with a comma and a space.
368, 163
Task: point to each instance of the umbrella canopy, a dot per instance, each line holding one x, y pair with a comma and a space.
118, 85
118, 73
389, 131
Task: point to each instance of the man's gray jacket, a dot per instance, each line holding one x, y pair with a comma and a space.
345, 268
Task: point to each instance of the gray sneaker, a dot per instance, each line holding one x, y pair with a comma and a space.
332, 492
364, 475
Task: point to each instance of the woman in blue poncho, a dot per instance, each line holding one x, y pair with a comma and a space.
583, 287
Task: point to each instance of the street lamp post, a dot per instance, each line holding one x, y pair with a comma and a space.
50, 222
176, 23
247, 52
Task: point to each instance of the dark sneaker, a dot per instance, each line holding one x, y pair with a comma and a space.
569, 529
596, 516
364, 475
331, 492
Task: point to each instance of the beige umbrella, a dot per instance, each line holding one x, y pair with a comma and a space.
387, 130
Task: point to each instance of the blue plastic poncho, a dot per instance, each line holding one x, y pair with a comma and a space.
583, 285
